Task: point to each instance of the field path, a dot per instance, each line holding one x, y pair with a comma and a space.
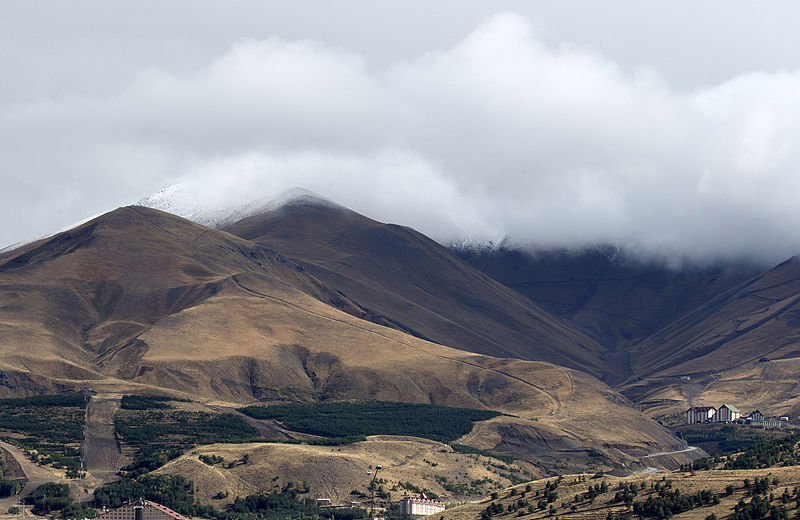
100, 445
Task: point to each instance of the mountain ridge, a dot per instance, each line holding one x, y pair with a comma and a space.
419, 284
141, 301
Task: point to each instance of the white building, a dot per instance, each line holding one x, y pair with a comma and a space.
417, 507
700, 414
727, 413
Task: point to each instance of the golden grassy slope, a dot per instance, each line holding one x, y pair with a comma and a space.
333, 472
715, 481
142, 301
742, 348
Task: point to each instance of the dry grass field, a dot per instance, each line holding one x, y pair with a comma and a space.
335, 471
715, 481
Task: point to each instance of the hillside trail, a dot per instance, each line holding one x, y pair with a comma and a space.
35, 475
101, 447
662, 453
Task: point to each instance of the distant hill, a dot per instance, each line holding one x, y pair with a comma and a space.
676, 336
615, 297
743, 346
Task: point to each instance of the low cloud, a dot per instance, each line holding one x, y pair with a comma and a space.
500, 135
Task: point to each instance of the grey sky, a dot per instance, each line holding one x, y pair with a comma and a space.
673, 126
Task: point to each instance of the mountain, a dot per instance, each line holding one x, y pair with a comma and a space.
633, 321
619, 299
743, 345
416, 285
142, 301
677, 336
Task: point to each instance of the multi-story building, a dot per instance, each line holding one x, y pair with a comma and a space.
141, 510
754, 417
417, 507
727, 413
700, 414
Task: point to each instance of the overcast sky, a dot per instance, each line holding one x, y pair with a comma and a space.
671, 126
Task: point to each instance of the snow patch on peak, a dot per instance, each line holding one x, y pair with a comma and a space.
478, 246
178, 199
297, 197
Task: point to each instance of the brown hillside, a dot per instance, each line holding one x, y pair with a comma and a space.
142, 301
418, 286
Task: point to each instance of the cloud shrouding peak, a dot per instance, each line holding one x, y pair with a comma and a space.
498, 135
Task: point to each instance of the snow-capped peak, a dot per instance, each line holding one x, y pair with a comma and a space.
178, 200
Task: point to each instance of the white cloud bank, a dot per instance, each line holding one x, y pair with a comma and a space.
498, 135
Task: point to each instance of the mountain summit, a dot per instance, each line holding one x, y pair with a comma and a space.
418, 286
180, 200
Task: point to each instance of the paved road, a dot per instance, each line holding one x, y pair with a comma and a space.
647, 470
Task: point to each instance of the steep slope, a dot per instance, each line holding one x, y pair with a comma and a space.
142, 301
416, 285
90, 293
614, 297
744, 345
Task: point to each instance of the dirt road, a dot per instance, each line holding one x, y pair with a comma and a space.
100, 445
35, 475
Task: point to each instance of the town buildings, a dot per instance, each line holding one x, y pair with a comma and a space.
755, 417
727, 413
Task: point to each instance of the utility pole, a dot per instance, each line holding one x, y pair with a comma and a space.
372, 493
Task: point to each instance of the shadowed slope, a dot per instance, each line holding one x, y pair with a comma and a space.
616, 298
418, 286
743, 343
